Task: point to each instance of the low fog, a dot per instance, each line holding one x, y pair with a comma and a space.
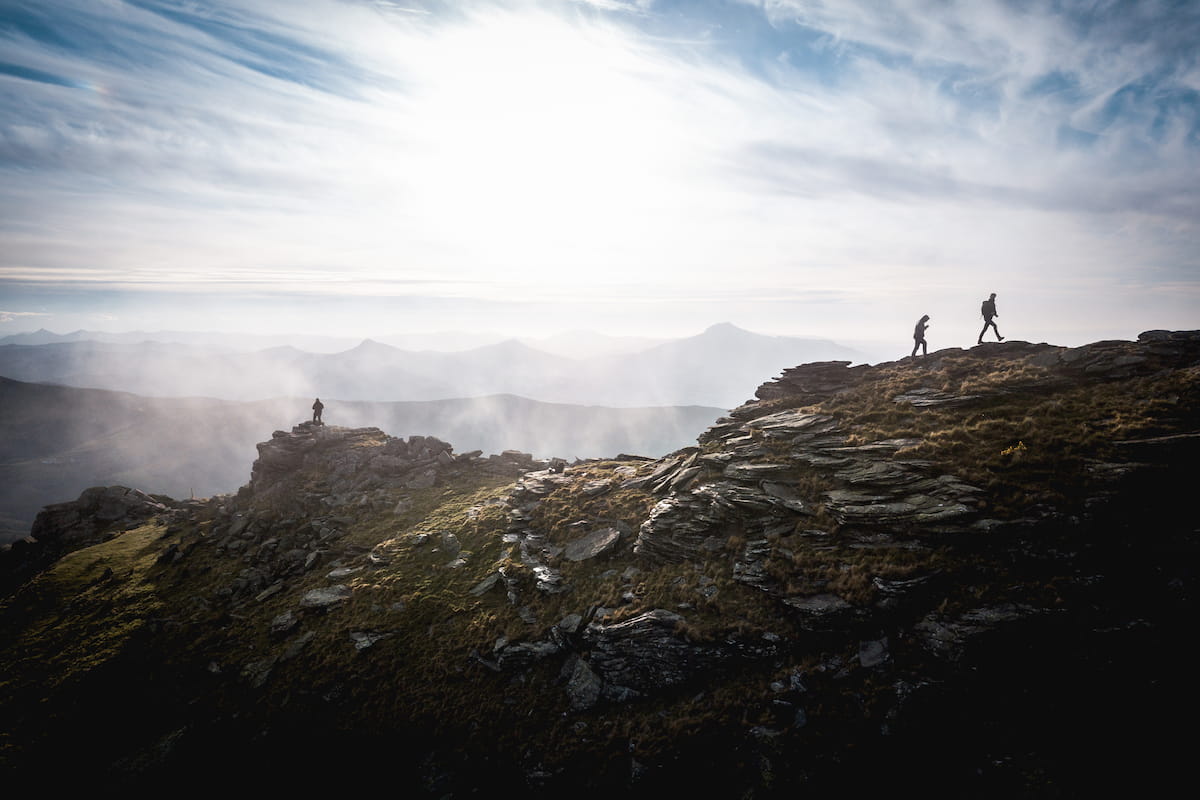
720, 368
56, 441
182, 418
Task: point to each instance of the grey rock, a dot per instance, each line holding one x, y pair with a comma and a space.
271, 590
364, 639
751, 565
899, 588
785, 496
684, 478
874, 652
323, 598
595, 488
583, 686
948, 636
284, 622
592, 545
754, 471
643, 653
928, 397
257, 672
450, 544
293, 649
818, 605
522, 654
547, 579
422, 480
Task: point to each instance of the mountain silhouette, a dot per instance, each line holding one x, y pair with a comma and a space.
707, 369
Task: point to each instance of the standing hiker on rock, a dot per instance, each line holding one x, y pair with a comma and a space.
318, 406
988, 310
919, 336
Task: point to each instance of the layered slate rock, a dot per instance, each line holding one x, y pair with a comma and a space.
811, 383
876, 487
592, 545
96, 510
781, 466
804, 597
98, 513
645, 654
324, 465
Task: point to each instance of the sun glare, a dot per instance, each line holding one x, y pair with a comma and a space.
541, 140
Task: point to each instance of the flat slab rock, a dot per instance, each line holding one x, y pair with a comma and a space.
594, 544
323, 598
819, 604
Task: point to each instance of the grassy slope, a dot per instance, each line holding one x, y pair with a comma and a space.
81, 638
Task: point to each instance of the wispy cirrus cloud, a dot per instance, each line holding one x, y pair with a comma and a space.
11, 316
549, 150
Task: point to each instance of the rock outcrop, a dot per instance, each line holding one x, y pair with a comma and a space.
319, 467
98, 513
913, 576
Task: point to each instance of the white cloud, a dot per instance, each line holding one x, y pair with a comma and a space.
523, 154
11, 316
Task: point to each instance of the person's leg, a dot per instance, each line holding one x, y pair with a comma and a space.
916, 344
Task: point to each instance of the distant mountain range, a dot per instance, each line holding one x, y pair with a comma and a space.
717, 368
574, 344
56, 441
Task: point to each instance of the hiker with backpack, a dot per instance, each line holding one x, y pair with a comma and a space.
988, 310
919, 337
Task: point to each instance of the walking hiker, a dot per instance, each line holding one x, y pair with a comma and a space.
318, 406
919, 336
988, 310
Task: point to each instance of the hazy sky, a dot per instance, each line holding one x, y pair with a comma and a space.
831, 168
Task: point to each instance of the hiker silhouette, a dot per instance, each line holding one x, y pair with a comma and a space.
317, 407
988, 310
919, 337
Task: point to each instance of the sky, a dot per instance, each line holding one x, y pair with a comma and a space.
828, 168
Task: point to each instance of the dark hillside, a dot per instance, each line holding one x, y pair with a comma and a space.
969, 575
56, 441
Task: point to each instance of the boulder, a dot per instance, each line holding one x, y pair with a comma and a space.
594, 544
583, 685
325, 597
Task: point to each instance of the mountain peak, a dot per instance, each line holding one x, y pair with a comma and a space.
507, 346
371, 346
724, 329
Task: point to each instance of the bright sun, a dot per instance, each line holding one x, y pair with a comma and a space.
542, 140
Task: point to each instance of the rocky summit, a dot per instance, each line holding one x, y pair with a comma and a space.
967, 575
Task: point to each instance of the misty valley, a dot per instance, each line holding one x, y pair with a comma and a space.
182, 419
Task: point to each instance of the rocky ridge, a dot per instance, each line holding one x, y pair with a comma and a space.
823, 570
